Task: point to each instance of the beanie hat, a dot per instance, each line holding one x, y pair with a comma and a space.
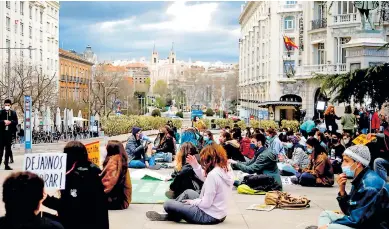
359, 153
135, 130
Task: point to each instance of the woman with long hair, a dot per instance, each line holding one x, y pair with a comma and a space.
319, 171
210, 206
83, 203
183, 176
208, 138
330, 117
232, 147
245, 144
116, 178
166, 148
348, 121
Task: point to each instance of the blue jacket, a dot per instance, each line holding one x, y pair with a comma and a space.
367, 205
308, 126
135, 149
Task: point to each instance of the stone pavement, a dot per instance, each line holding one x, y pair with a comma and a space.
238, 218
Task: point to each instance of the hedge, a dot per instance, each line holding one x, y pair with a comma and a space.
222, 122
265, 124
116, 125
290, 124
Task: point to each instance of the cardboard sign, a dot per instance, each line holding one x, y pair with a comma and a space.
51, 167
362, 139
94, 152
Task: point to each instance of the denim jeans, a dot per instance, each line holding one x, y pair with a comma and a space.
140, 164
381, 167
178, 211
163, 157
306, 179
328, 217
283, 167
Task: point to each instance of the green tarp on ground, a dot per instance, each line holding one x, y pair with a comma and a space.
146, 191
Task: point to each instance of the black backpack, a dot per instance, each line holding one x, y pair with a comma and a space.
261, 182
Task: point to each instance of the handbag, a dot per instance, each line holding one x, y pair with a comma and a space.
284, 200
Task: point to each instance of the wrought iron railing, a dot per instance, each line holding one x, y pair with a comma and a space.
319, 23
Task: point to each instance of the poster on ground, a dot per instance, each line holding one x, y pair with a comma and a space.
51, 167
94, 152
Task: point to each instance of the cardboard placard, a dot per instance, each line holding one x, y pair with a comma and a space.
94, 152
51, 167
362, 139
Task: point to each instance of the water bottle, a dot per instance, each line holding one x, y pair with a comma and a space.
333, 154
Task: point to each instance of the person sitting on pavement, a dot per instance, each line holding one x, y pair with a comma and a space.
307, 126
191, 135
183, 176
208, 138
367, 204
23, 194
136, 151
337, 150
210, 206
274, 142
321, 126
247, 152
346, 140
116, 178
299, 160
282, 136
83, 203
381, 164
264, 161
231, 146
166, 149
323, 141
319, 171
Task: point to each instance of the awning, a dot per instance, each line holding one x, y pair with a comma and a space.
279, 103
314, 42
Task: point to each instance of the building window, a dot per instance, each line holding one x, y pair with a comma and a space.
8, 4
7, 44
55, 31
16, 27
8, 23
41, 35
22, 29
48, 45
346, 7
321, 53
30, 32
36, 14
41, 17
48, 63
21, 8
41, 55
355, 66
289, 22
30, 52
291, 2
30, 12
48, 27
16, 6
21, 50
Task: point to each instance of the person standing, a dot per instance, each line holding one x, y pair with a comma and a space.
330, 118
375, 122
8, 123
348, 121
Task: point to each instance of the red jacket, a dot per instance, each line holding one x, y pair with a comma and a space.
375, 121
245, 148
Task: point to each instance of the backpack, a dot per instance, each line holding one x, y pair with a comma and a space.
261, 182
245, 189
284, 200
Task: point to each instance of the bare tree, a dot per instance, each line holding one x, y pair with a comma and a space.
30, 80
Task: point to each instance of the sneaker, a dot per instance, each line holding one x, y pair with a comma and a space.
312, 227
7, 168
155, 216
169, 194
155, 167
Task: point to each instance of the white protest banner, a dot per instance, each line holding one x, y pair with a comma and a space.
51, 167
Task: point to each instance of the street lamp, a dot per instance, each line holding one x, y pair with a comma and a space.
105, 95
9, 67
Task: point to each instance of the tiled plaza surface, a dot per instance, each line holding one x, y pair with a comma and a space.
238, 217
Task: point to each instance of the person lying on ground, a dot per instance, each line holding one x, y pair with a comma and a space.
166, 149
232, 147
116, 178
83, 203
23, 194
184, 177
264, 161
367, 204
136, 151
319, 171
210, 206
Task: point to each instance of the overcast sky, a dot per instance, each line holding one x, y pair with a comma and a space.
206, 31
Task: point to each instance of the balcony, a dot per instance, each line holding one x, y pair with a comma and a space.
309, 70
319, 23
345, 19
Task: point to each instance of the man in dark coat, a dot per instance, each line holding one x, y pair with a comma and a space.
8, 123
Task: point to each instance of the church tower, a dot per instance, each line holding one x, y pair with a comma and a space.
154, 56
172, 55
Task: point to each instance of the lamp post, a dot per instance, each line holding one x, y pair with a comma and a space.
105, 97
9, 67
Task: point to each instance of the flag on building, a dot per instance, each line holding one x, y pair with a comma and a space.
289, 44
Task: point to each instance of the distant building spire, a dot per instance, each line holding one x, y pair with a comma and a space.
172, 46
154, 47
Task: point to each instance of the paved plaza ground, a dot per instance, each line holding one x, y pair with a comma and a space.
238, 216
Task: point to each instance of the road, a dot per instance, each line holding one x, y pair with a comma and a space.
238, 217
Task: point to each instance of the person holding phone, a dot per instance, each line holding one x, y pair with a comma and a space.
367, 204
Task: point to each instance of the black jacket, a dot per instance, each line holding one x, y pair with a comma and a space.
166, 146
33, 222
185, 179
233, 150
83, 203
330, 121
135, 149
11, 117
